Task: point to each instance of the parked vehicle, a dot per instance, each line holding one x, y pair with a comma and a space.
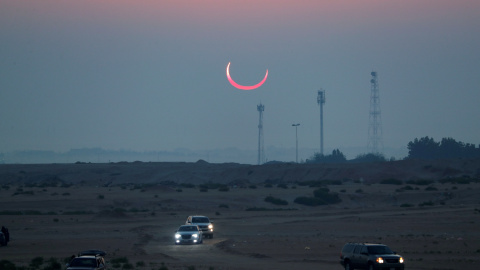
88, 260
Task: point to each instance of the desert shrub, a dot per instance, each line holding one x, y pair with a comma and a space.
7, 265
252, 186
276, 201
127, 266
309, 201
203, 189
100, 197
406, 205
324, 195
36, 262
319, 183
428, 203
319, 191
224, 188
420, 182
79, 212
391, 181
223, 206
431, 188
179, 190
52, 264
11, 212
163, 267
186, 185
284, 186
268, 185
359, 190
459, 180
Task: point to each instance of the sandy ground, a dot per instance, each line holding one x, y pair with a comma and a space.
58, 222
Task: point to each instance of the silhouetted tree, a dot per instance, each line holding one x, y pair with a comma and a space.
370, 157
427, 148
335, 157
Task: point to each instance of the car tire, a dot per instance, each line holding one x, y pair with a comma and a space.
370, 267
348, 266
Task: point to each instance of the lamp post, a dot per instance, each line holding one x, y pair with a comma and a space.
296, 141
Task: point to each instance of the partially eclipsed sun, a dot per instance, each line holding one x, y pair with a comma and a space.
244, 87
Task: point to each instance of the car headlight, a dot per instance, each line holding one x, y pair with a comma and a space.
195, 235
401, 260
210, 226
380, 260
177, 235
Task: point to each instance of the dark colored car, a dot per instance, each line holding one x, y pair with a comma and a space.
370, 256
88, 260
188, 234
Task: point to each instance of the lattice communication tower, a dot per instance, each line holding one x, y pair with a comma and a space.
375, 143
261, 152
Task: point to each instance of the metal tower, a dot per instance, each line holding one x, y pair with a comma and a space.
321, 101
261, 153
375, 143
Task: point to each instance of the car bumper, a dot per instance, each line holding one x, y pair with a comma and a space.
187, 241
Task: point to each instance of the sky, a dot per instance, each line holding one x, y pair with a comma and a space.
149, 75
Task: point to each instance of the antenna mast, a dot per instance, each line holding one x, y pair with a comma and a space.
321, 101
261, 154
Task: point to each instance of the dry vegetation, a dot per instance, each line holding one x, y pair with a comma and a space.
131, 211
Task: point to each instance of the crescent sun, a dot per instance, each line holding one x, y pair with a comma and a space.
244, 87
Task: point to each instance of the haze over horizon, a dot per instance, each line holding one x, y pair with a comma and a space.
149, 75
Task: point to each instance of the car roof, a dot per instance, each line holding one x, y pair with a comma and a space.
92, 252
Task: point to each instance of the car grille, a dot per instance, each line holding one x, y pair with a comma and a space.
391, 260
186, 236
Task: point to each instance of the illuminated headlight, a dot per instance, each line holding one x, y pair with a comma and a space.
401, 260
177, 235
380, 260
195, 235
210, 227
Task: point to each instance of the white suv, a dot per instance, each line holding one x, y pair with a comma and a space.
203, 223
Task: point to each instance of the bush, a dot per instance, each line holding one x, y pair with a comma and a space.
391, 181
324, 195
36, 262
309, 201
420, 182
223, 188
275, 201
7, 265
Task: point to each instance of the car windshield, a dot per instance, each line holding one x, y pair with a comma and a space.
187, 229
83, 262
200, 220
379, 250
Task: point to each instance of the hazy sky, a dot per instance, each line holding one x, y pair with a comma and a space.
150, 74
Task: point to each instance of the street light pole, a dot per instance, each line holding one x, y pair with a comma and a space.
296, 141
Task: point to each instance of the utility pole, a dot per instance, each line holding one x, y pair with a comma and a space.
261, 158
321, 101
296, 141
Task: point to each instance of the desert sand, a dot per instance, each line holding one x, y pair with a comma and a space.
128, 210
